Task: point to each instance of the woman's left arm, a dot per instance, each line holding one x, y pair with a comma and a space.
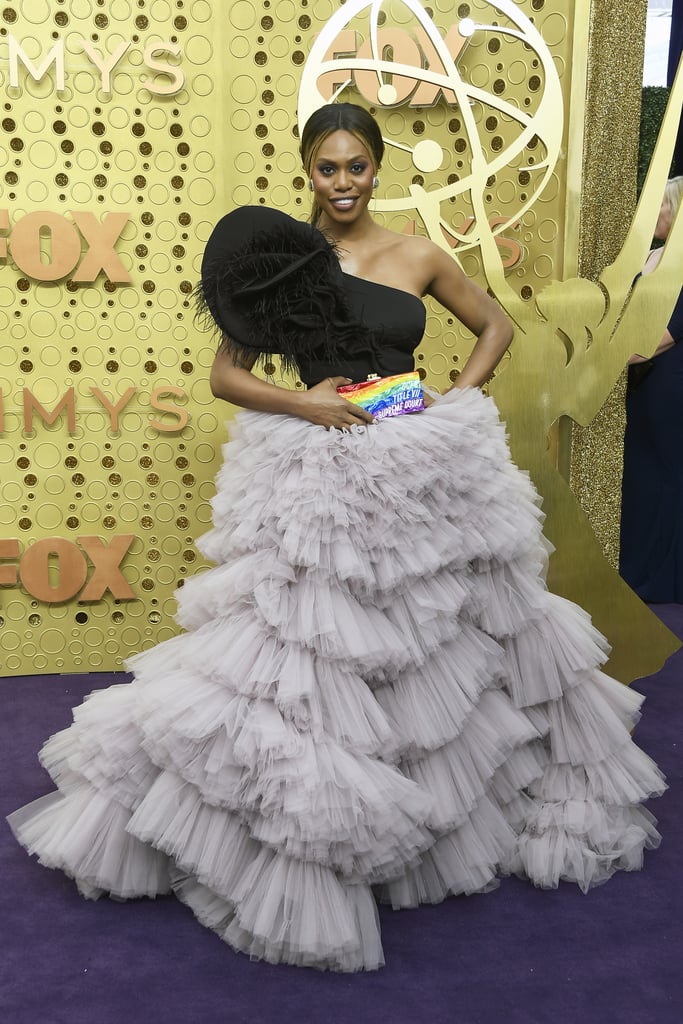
476, 310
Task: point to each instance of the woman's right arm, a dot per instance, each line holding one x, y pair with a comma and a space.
232, 380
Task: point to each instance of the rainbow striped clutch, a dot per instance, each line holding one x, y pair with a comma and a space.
387, 396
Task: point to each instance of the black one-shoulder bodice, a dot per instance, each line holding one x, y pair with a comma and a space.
395, 320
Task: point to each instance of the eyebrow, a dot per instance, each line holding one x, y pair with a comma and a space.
351, 160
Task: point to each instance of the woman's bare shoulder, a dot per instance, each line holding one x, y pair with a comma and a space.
419, 247
410, 262
429, 259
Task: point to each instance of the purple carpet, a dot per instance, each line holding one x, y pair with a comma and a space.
515, 956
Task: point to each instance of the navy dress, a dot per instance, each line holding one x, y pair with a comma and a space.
651, 556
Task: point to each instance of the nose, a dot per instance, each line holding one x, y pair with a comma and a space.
341, 181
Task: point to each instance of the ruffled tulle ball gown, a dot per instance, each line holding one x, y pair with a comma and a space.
375, 696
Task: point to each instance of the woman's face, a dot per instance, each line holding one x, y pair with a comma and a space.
342, 178
663, 225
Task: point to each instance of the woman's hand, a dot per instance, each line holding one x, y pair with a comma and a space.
322, 405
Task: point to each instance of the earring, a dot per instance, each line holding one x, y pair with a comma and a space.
375, 182
310, 184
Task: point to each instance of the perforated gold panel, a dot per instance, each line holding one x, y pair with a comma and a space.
82, 141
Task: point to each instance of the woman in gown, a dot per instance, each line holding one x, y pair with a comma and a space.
375, 697
651, 542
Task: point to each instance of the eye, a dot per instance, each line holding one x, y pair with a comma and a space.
326, 169
358, 168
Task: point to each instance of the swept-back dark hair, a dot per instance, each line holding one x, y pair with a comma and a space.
334, 117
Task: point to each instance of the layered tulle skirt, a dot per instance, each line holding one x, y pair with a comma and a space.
375, 697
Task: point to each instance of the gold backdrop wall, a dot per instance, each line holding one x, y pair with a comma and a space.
83, 151
163, 116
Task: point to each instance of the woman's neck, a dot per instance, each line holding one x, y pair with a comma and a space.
356, 233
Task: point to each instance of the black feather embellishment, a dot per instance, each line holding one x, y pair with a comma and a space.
274, 286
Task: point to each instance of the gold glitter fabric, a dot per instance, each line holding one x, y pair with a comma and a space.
614, 87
